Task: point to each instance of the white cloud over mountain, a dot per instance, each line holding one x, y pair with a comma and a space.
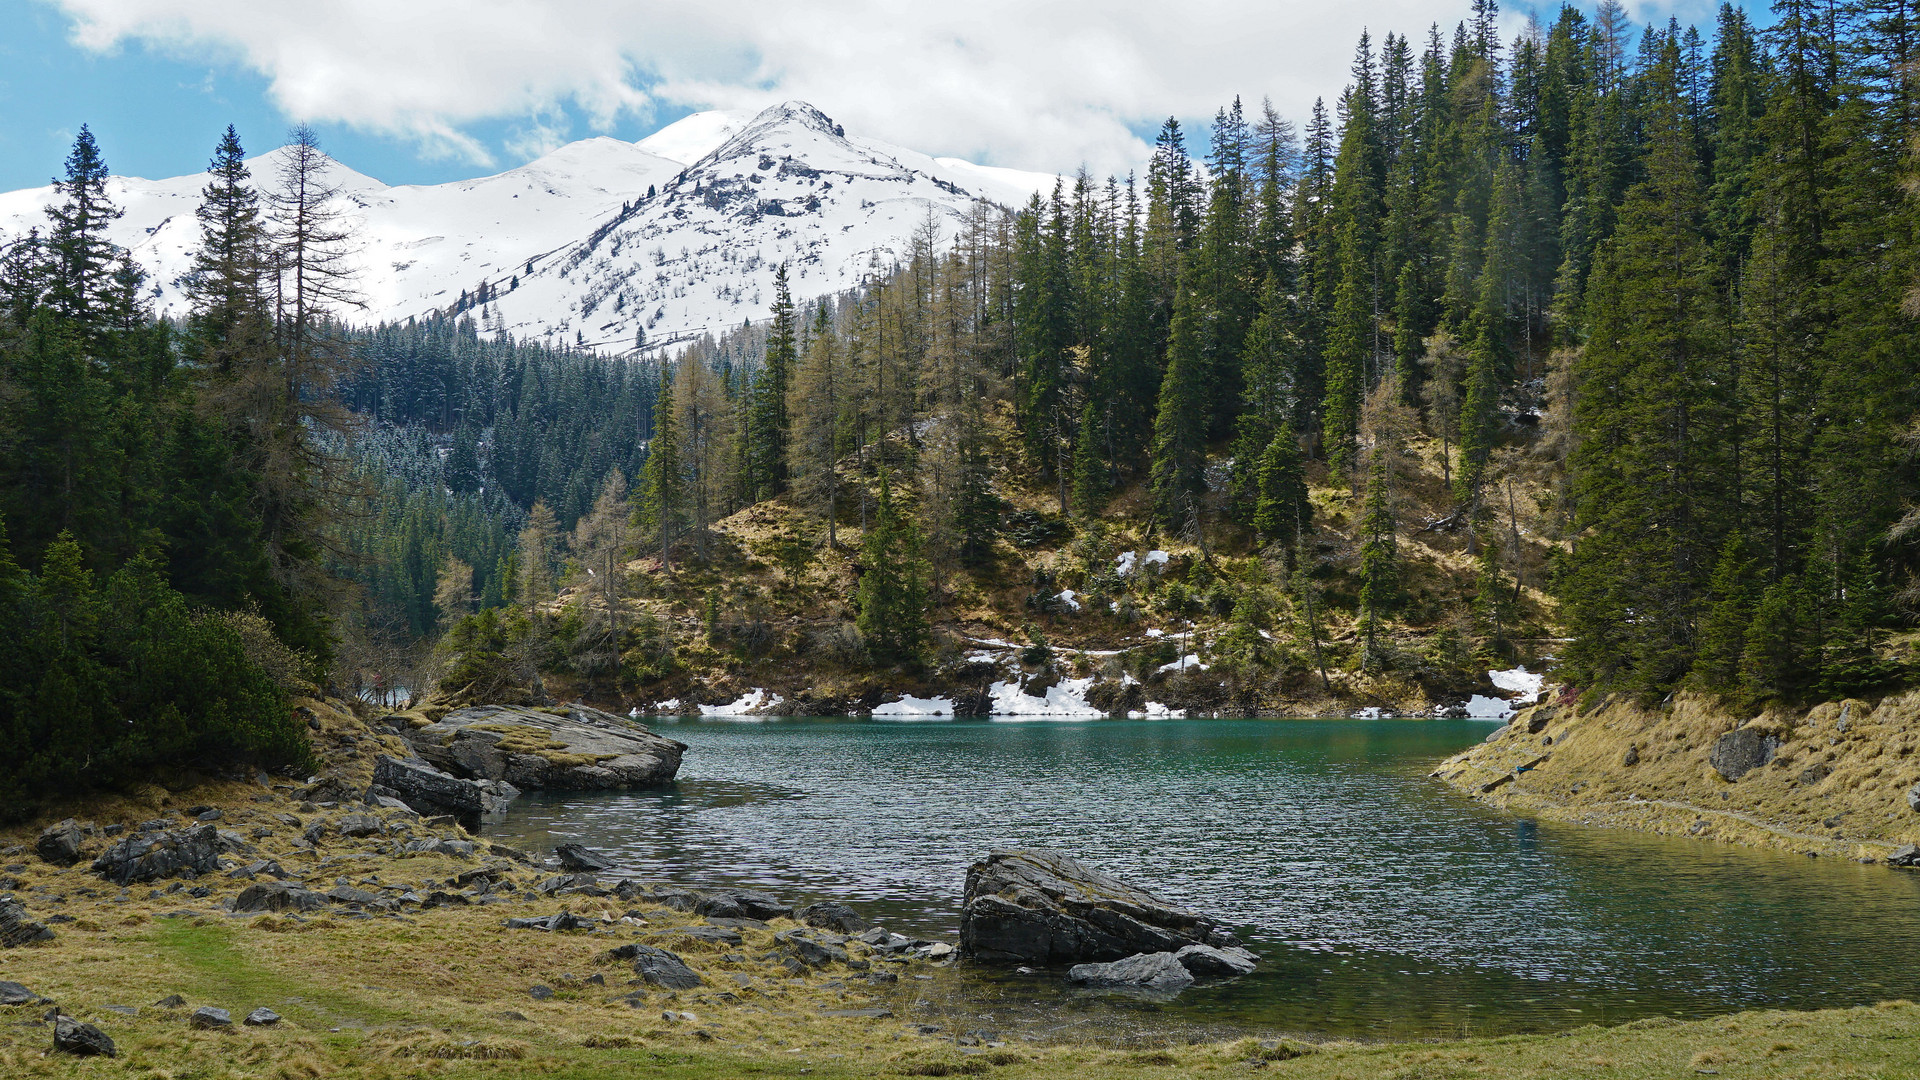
1044, 85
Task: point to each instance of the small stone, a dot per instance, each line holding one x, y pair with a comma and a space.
582, 860
206, 1016
540, 993
358, 825
209, 815
262, 1017
829, 916
1631, 757
12, 993
171, 1001
70, 1036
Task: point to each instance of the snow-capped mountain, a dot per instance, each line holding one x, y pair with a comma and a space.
570, 247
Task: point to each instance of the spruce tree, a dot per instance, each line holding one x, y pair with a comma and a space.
230, 322
81, 256
892, 596
663, 497
1379, 558
1180, 423
1282, 509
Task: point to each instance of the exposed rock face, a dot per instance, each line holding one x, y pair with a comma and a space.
1739, 752
12, 993
1160, 971
572, 748
160, 854
70, 1036
1041, 906
16, 928
423, 787
60, 844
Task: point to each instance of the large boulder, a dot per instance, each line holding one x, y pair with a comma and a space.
163, 853
1739, 752
1043, 907
1160, 971
60, 843
16, 928
1205, 961
571, 748
425, 788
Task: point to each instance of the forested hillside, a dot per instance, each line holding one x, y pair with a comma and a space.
1587, 343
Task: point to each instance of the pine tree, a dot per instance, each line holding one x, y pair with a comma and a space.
892, 596
1180, 423
663, 494
80, 255
230, 323
1090, 467
1379, 559
1282, 510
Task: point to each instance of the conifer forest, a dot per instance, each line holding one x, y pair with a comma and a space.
1598, 343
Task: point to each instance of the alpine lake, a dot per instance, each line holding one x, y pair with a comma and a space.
1384, 905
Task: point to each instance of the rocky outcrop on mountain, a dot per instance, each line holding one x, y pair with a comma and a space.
1041, 906
570, 748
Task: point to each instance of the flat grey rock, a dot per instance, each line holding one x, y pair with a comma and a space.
619, 753
1161, 971
206, 1016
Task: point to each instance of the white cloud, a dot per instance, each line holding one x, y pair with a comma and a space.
1044, 85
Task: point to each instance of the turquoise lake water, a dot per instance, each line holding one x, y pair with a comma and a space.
1385, 905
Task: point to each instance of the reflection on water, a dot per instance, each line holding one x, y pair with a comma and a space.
1385, 904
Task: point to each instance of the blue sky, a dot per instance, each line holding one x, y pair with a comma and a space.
426, 91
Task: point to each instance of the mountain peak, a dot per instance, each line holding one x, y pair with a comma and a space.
779, 125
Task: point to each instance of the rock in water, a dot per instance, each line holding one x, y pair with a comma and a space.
70, 1036
1739, 752
1146, 971
1042, 907
659, 967
572, 748
582, 860
428, 790
59, 844
278, 896
827, 916
16, 928
1205, 961
262, 1017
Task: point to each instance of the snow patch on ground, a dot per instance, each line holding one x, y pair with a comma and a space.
1191, 660
749, 704
1065, 700
982, 656
1068, 597
1124, 562
1157, 711
1488, 708
1371, 712
914, 708
1156, 632
1520, 681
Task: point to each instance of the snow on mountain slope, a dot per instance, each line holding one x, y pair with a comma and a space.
789, 187
735, 195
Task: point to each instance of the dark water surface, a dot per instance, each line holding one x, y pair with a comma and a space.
1385, 904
